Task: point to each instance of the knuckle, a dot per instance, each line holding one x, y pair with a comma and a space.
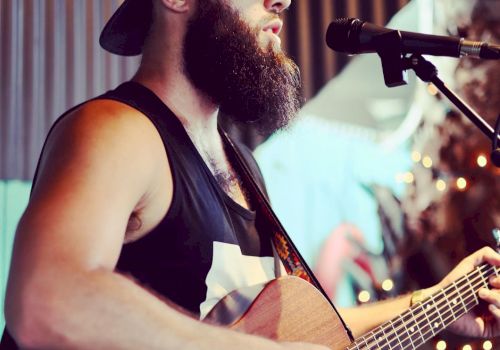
484, 251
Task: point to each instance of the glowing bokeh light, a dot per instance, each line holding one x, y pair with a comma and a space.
387, 285
427, 162
441, 345
487, 345
408, 177
416, 156
364, 296
461, 183
482, 161
440, 185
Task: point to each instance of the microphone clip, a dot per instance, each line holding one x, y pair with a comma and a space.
389, 48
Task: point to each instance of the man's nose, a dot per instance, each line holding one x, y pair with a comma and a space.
277, 6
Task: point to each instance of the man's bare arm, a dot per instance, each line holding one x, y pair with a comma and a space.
99, 165
363, 319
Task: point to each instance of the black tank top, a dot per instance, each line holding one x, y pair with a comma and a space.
207, 245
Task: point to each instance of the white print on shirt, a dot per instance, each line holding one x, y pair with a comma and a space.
232, 270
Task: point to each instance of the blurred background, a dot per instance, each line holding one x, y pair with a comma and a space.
383, 190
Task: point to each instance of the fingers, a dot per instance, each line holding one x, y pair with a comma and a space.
494, 310
485, 254
491, 296
495, 282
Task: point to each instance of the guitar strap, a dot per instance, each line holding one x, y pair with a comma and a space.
294, 264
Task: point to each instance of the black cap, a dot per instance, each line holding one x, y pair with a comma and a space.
126, 30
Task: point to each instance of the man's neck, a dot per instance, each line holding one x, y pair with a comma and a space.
195, 110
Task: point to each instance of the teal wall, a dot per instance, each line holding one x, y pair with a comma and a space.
13, 200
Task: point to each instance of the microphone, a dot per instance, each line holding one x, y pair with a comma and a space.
353, 36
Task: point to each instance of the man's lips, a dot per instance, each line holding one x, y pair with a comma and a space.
273, 26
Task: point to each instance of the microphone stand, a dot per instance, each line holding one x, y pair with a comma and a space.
395, 64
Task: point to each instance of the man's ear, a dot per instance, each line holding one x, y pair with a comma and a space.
179, 6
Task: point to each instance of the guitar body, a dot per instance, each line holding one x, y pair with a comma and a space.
286, 309
291, 309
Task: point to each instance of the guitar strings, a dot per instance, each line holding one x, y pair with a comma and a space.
471, 284
382, 336
446, 322
373, 344
429, 333
416, 317
438, 305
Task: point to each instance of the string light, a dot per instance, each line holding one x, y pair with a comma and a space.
416, 156
408, 177
441, 185
487, 345
441, 345
461, 183
467, 347
482, 161
364, 296
387, 285
427, 162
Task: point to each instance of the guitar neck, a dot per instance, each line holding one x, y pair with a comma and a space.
426, 319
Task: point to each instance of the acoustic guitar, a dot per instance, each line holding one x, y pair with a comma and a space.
291, 309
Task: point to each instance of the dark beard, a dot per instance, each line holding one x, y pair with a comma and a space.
223, 60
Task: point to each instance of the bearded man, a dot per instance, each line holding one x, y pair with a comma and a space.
137, 220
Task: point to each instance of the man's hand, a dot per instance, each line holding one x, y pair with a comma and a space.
474, 324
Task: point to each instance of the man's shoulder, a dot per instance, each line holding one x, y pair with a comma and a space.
105, 121
104, 112
103, 129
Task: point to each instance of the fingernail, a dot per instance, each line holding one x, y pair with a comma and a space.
483, 293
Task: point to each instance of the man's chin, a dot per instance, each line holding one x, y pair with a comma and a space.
270, 43
275, 48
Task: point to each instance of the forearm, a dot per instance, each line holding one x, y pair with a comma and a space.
364, 318
104, 310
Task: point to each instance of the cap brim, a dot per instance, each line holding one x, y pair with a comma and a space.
126, 30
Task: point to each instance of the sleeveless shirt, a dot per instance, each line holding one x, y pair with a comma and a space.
207, 245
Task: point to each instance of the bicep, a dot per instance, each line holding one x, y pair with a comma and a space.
90, 179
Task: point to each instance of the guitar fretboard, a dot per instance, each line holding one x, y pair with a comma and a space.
426, 319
